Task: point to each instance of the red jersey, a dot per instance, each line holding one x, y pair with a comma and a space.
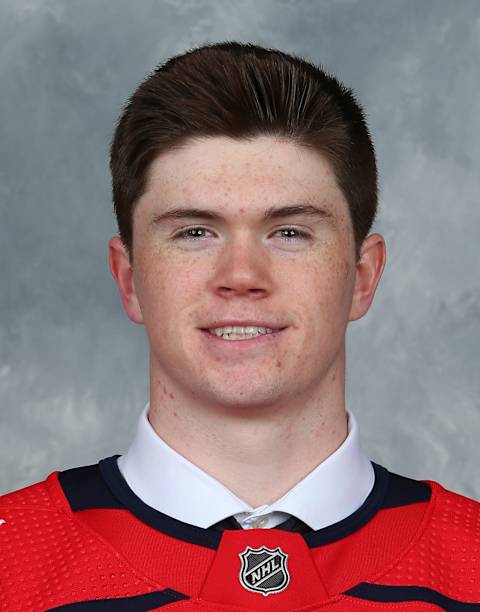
81, 540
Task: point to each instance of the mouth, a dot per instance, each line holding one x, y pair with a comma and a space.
232, 342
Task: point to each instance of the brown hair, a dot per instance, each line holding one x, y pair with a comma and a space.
242, 91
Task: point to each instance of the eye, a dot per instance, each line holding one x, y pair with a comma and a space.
187, 236
299, 232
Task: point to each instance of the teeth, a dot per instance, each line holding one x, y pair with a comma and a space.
236, 332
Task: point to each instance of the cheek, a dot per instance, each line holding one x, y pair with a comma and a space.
332, 282
169, 291
152, 283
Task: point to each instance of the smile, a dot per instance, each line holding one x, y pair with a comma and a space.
240, 340
240, 333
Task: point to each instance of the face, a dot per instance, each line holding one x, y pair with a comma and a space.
296, 271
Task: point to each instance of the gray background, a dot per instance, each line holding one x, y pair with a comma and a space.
74, 369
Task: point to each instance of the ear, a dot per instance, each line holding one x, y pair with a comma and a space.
369, 269
123, 274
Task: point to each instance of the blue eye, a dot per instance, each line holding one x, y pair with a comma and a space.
185, 234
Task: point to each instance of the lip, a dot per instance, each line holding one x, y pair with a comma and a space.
237, 323
218, 344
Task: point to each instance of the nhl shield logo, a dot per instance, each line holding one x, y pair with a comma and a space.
264, 570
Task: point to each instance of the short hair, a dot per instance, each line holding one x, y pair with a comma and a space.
243, 91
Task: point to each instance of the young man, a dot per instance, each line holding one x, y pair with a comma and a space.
244, 184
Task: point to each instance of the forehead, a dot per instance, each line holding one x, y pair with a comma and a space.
244, 175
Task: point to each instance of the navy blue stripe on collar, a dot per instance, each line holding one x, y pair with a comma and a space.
389, 491
359, 518
160, 521
85, 488
102, 485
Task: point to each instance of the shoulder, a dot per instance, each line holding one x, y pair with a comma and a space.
454, 505
31, 510
447, 547
27, 515
42, 496
35, 521
454, 515
435, 535
443, 505
32, 495
39, 538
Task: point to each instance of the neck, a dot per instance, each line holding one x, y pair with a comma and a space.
258, 455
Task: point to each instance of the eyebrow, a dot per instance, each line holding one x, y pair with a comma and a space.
268, 215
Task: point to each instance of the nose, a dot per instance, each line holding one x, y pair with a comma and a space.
242, 268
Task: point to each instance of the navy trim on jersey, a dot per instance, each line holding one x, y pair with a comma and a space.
391, 594
84, 487
164, 523
103, 486
359, 518
389, 491
403, 491
137, 603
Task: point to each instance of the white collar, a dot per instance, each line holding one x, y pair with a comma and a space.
168, 482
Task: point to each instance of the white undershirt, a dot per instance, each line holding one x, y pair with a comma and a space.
170, 483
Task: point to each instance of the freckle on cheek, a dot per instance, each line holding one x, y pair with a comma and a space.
278, 364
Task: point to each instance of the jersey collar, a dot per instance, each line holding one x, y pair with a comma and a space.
166, 481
